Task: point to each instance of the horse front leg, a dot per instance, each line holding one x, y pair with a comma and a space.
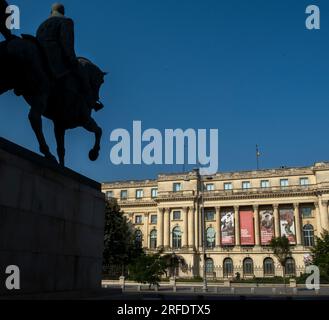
36, 123
60, 139
92, 126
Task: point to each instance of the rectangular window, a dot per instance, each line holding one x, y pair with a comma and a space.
124, 195
154, 193
284, 183
264, 184
307, 212
176, 215
177, 187
210, 187
138, 219
245, 185
304, 182
228, 186
109, 194
139, 194
210, 215
154, 219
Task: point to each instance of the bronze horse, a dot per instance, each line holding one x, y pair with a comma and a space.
23, 68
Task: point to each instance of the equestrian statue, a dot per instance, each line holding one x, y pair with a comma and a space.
54, 82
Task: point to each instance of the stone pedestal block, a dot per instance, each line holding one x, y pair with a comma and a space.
51, 224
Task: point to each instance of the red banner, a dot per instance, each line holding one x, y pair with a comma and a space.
247, 228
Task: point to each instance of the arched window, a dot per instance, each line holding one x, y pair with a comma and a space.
228, 268
248, 267
308, 235
153, 239
269, 269
211, 238
290, 267
177, 238
210, 266
138, 238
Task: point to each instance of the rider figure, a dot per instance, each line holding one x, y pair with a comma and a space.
3, 17
56, 36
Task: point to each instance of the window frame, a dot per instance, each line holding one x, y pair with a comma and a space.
177, 238
267, 182
309, 236
248, 267
210, 266
152, 195
156, 219
306, 216
206, 212
292, 265
154, 239
284, 186
139, 216
244, 183
227, 273
107, 194
266, 265
121, 195
141, 191
304, 184
228, 186
176, 184
212, 189
180, 215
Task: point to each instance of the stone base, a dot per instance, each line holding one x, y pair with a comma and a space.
51, 224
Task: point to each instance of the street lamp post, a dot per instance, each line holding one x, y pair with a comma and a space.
205, 283
203, 218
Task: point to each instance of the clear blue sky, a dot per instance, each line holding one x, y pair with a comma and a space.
249, 68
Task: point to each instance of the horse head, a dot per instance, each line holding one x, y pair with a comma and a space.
96, 78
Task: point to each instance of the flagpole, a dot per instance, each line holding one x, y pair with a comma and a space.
257, 156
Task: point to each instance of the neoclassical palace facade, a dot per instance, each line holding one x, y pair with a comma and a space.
231, 217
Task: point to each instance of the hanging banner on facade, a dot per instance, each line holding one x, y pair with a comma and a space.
227, 228
247, 228
266, 226
287, 223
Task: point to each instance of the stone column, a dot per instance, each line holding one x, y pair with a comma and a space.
218, 227
277, 220
298, 225
185, 231
237, 226
146, 230
166, 228
160, 226
256, 224
323, 205
318, 218
191, 231
197, 227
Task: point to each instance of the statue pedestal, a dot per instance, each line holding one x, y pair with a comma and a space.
51, 225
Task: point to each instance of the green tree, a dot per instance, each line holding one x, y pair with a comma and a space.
281, 249
120, 248
320, 255
150, 268
173, 261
